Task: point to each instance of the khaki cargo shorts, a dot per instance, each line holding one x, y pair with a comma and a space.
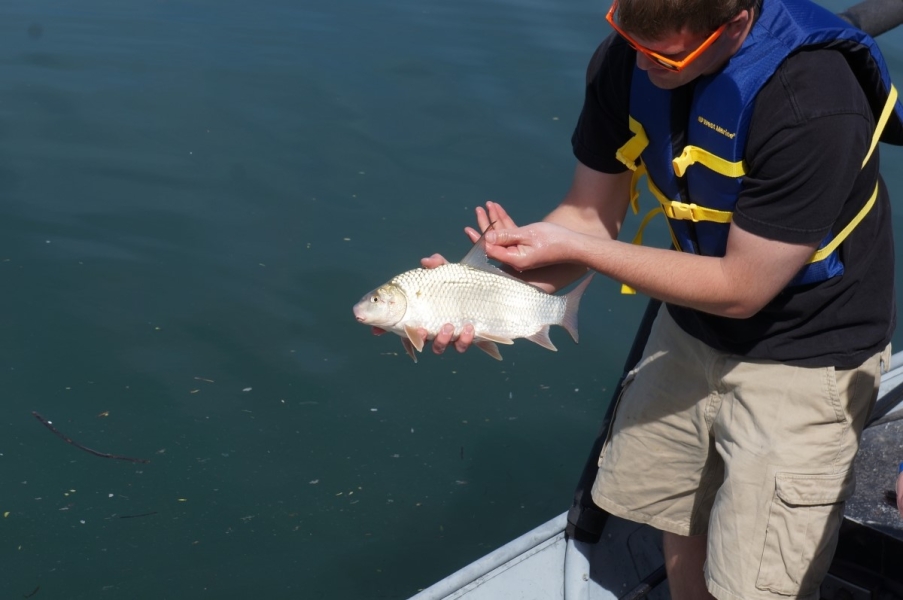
757, 454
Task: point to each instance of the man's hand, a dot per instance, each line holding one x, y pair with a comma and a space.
493, 215
533, 246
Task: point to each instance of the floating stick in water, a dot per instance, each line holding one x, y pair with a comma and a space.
69, 440
147, 514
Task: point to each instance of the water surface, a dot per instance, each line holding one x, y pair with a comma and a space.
194, 193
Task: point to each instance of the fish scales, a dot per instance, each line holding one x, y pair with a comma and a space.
416, 305
493, 304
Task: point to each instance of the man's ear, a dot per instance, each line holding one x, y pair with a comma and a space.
739, 24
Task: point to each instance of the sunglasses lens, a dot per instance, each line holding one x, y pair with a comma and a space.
667, 65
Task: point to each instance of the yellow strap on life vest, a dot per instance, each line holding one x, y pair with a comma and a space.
638, 241
822, 253
634, 192
682, 211
630, 152
882, 121
694, 154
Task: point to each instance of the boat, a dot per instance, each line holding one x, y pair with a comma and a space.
587, 554
627, 564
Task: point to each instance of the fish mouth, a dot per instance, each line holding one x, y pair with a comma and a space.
358, 313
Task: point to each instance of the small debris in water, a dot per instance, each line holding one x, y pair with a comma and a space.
247, 389
314, 481
147, 514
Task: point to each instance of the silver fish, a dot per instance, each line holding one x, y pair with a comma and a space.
500, 307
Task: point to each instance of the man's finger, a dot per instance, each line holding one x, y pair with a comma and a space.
443, 338
465, 339
473, 234
483, 220
500, 216
504, 237
431, 262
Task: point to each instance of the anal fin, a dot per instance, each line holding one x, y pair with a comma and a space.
541, 337
489, 348
498, 339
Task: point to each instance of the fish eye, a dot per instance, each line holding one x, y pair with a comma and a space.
374, 299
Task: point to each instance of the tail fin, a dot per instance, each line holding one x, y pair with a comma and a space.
572, 303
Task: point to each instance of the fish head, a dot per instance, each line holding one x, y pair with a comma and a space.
383, 307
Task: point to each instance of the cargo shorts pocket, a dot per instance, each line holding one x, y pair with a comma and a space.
628, 379
801, 534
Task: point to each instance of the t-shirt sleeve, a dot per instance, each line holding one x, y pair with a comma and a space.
603, 126
810, 130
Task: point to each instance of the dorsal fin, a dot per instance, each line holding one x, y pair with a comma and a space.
476, 258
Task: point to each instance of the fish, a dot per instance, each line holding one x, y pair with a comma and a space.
500, 307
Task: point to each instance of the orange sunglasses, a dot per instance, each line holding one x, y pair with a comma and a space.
670, 64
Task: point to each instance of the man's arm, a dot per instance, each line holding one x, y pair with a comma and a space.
750, 274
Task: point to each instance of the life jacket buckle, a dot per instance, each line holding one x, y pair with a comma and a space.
683, 211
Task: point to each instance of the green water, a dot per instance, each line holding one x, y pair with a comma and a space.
194, 194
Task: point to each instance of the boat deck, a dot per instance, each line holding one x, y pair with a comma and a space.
877, 464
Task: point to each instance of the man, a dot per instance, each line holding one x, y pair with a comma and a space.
736, 433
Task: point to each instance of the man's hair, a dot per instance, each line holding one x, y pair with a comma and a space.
655, 19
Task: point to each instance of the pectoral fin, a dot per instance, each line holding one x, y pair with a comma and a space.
413, 334
489, 348
409, 348
541, 337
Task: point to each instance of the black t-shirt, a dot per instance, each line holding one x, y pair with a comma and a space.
810, 129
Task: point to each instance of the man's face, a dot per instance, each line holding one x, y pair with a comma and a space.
677, 46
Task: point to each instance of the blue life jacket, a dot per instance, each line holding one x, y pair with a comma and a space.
698, 187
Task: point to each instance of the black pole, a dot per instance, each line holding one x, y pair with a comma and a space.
875, 16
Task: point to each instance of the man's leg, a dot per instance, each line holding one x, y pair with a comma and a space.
684, 560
